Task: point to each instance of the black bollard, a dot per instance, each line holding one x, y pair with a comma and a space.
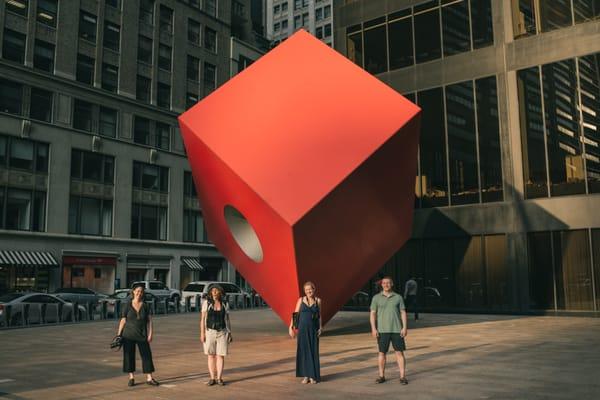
198, 303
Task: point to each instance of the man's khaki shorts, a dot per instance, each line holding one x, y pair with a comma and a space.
216, 342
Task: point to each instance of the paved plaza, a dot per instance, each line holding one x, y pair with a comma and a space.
449, 357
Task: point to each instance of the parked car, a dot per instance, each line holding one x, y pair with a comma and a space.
17, 302
124, 296
79, 295
201, 288
160, 290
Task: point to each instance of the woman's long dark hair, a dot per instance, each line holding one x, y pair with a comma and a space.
221, 294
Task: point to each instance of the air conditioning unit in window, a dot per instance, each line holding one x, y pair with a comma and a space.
153, 156
96, 143
25, 128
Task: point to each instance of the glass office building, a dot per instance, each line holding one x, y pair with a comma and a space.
508, 185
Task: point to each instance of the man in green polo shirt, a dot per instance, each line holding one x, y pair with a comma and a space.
388, 324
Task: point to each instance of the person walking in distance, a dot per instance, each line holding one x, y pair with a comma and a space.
388, 325
410, 295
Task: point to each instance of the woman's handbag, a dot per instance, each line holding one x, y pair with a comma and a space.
295, 320
117, 342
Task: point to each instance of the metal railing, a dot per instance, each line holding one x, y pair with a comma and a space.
30, 314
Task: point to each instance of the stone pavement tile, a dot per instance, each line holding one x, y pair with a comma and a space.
449, 357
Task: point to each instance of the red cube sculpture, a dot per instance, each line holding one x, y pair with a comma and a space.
305, 169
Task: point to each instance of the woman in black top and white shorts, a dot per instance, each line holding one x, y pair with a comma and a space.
135, 327
215, 333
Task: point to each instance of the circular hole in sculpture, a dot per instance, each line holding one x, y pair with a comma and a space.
244, 234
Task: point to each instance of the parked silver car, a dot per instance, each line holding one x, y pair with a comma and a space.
28, 308
79, 295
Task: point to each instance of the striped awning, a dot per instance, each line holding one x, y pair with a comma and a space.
192, 263
27, 259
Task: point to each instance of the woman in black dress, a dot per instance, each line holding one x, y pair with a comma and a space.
135, 327
309, 329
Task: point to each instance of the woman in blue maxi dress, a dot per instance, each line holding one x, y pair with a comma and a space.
309, 329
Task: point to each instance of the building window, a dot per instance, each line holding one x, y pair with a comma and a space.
114, 4
210, 7
83, 115
149, 133
110, 77
46, 12
41, 105
23, 154
90, 216
87, 26
193, 32
148, 222
210, 39
327, 30
190, 100
11, 99
559, 124
354, 45
24, 210
434, 182
193, 222
163, 135
297, 22
189, 188
481, 23
166, 20
112, 36
193, 226
427, 34
43, 56
108, 122
92, 167
276, 27
164, 57
18, 7
462, 143
163, 95
144, 49
13, 46
141, 131
284, 24
319, 14
147, 11
150, 177
193, 68
85, 69
326, 12
375, 48
142, 88
305, 19
297, 4
400, 36
455, 28
276, 8
284, 6
488, 129
319, 32
210, 78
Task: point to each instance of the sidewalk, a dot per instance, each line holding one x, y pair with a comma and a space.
449, 357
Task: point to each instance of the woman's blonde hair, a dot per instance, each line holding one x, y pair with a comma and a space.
309, 283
